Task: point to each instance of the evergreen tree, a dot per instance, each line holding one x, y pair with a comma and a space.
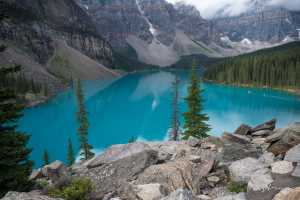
82, 117
71, 158
195, 121
46, 157
15, 166
175, 121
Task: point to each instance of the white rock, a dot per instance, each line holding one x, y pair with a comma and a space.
204, 197
150, 191
282, 167
293, 155
240, 196
261, 180
267, 158
242, 170
195, 159
213, 179
259, 141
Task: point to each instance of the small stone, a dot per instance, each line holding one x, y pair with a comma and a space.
195, 159
293, 155
193, 142
296, 172
204, 197
213, 179
282, 167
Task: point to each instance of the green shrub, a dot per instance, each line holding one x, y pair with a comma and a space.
42, 184
78, 189
237, 187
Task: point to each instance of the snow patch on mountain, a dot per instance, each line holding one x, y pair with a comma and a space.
152, 30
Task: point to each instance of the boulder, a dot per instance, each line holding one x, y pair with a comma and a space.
242, 170
237, 138
232, 151
115, 176
262, 133
180, 194
270, 125
240, 196
243, 130
117, 152
288, 194
177, 174
26, 196
289, 137
282, 167
260, 180
153, 191
293, 155
193, 142
54, 170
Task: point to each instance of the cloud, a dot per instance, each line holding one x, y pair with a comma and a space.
212, 8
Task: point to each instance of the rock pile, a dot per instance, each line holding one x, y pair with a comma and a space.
262, 163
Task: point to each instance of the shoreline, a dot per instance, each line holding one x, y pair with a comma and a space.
292, 91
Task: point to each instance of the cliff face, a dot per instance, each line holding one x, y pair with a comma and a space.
266, 24
41, 29
159, 32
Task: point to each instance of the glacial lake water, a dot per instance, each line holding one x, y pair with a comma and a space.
139, 105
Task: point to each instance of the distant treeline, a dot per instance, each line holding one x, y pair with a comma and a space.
277, 67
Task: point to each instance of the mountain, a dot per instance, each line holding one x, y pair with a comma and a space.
262, 26
159, 33
276, 67
54, 41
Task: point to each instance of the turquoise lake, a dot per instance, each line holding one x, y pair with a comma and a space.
139, 105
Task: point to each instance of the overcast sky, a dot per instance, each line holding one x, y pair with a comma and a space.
209, 8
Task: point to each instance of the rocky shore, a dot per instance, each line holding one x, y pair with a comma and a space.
253, 163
